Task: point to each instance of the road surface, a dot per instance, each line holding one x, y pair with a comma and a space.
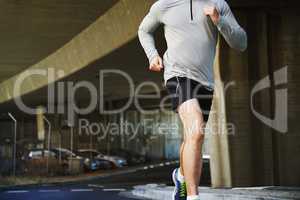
114, 187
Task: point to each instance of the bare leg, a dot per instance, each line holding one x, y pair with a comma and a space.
181, 157
191, 117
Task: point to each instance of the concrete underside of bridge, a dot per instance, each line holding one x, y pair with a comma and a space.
106, 38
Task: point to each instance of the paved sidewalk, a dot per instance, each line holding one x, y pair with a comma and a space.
161, 192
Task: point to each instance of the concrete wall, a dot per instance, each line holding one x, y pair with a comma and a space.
285, 35
261, 155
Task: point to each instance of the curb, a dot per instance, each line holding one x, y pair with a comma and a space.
161, 192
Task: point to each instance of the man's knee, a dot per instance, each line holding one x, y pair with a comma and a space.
192, 119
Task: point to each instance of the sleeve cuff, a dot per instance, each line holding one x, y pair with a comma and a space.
153, 55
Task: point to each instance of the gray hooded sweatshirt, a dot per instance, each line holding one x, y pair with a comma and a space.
191, 37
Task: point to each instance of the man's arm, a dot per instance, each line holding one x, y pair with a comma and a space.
149, 24
234, 35
227, 25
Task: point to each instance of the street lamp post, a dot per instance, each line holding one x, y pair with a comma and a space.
15, 142
49, 138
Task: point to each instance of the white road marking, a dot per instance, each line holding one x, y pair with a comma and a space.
46, 191
161, 164
114, 190
151, 166
17, 191
96, 186
168, 163
251, 188
145, 168
82, 190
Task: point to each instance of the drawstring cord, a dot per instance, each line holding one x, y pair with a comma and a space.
191, 9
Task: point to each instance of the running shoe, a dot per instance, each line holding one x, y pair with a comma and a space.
180, 192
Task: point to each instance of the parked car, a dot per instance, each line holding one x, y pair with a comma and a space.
36, 160
117, 161
92, 162
39, 153
132, 158
64, 155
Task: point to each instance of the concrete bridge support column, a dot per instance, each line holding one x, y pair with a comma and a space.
218, 134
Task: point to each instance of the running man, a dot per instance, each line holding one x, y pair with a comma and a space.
191, 30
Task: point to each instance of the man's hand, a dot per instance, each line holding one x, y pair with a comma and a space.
156, 64
213, 13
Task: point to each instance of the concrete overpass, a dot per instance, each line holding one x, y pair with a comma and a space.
70, 36
114, 28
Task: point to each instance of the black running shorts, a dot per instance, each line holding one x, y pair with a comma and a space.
182, 89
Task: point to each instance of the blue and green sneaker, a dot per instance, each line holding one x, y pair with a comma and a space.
180, 192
